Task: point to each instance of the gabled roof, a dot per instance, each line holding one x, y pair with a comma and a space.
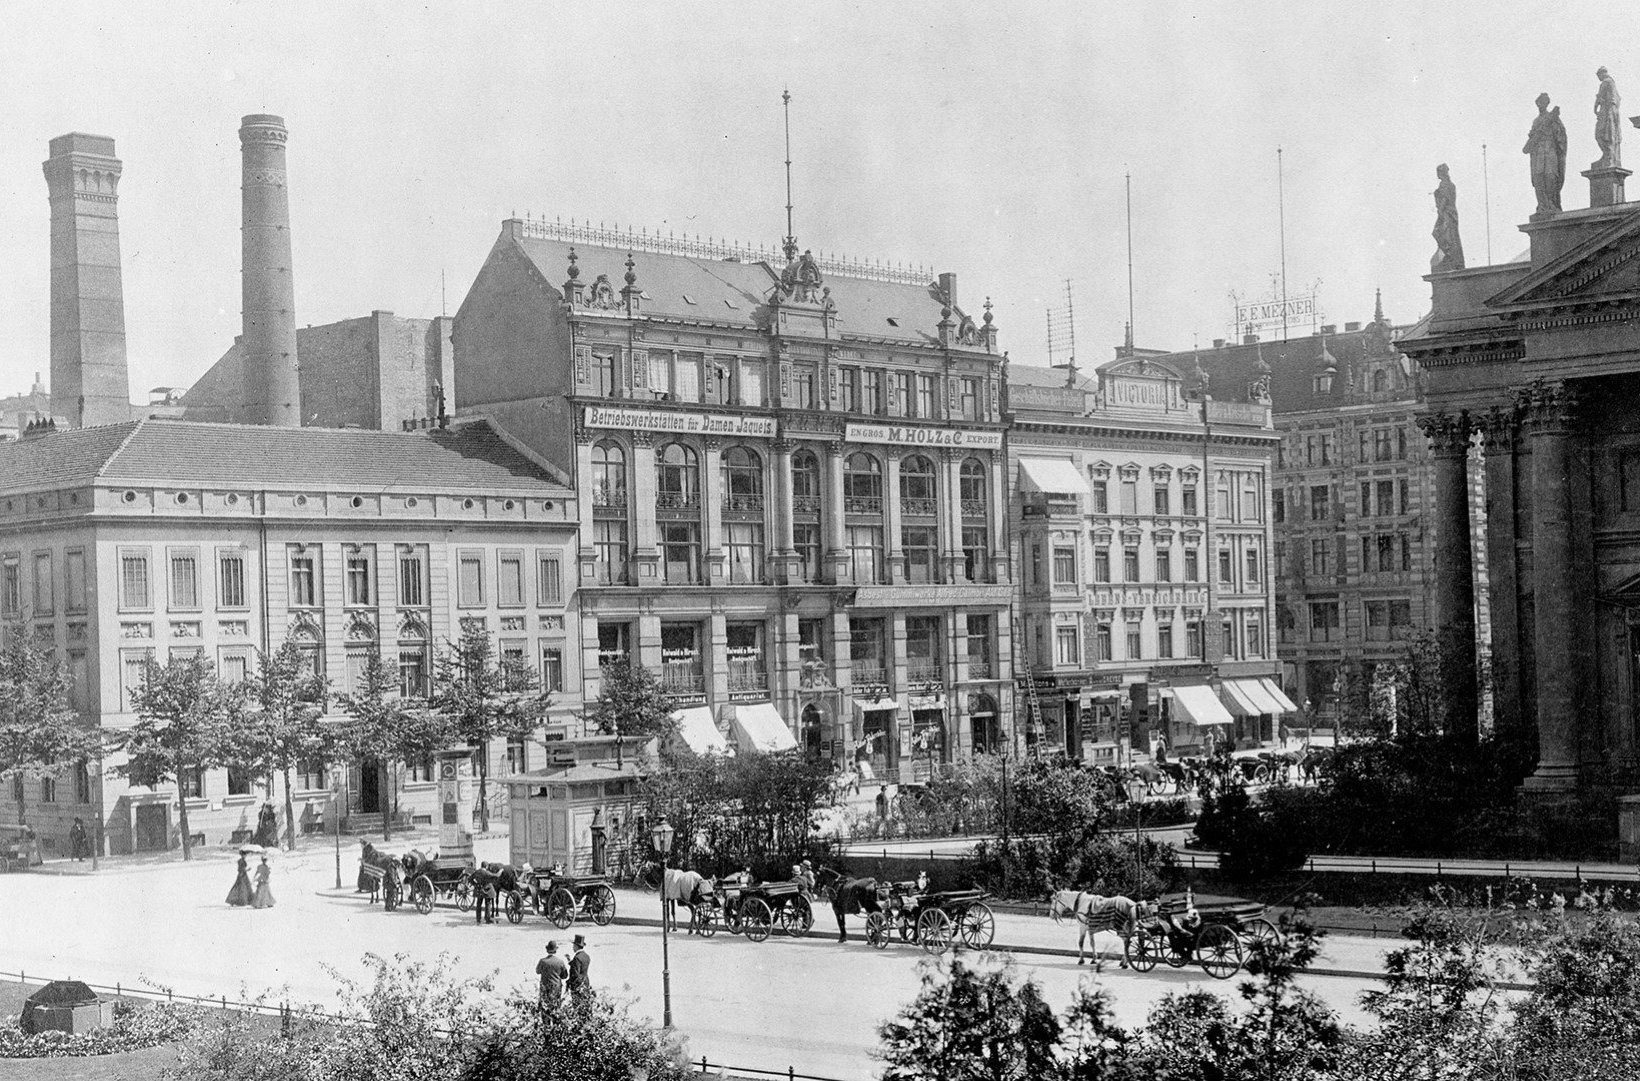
1601, 266
473, 456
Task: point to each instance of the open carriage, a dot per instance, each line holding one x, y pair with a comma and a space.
1213, 932
432, 880
565, 898
755, 910
933, 920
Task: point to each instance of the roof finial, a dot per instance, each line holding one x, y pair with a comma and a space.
574, 271
790, 246
1378, 306
987, 318
631, 276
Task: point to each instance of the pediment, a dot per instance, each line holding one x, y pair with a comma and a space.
1602, 269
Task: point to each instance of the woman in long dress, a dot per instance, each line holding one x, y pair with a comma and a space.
240, 895
264, 895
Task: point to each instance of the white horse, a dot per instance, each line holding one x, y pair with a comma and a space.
688, 887
1094, 913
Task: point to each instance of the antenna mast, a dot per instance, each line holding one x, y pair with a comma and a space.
1281, 218
1486, 201
1129, 180
791, 236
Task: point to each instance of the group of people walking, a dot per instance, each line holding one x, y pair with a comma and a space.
242, 895
564, 978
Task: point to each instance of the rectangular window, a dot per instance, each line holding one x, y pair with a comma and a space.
357, 659
1326, 448
1064, 565
1406, 551
1278, 507
74, 593
311, 777
969, 391
682, 672
304, 574
1386, 498
1386, 551
1227, 569
1320, 557
1101, 496
233, 667
1249, 505
1366, 499
82, 782
1187, 501
44, 601
509, 579
803, 377
1135, 641
1383, 445
359, 586
518, 755
609, 550
680, 552
660, 373
1377, 621
871, 392
745, 552
79, 682
1400, 619
1323, 621
925, 396
848, 385
133, 670
1164, 565
239, 781
976, 554
1101, 564
614, 644
1318, 502
48, 789
1130, 565
686, 378
1253, 566
1309, 450
1160, 494
552, 668
919, 545
412, 671
806, 540
1192, 565
230, 580
812, 635
718, 389
1102, 642
1194, 640
184, 579
743, 645
192, 783
1223, 508
549, 581
1164, 641
1228, 628
1066, 649
469, 578
1255, 634
865, 544
899, 403
11, 596
1130, 497
421, 772
751, 383
515, 664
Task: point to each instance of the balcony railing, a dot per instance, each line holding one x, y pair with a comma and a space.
870, 678
973, 508
609, 497
863, 504
677, 500
924, 507
682, 679
980, 668
743, 502
806, 504
747, 680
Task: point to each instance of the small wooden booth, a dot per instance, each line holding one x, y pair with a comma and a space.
583, 810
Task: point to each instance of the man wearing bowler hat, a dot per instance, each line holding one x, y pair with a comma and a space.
553, 970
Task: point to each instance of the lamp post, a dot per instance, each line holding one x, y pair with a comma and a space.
661, 836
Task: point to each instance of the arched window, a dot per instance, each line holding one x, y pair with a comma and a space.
679, 476
805, 482
742, 479
863, 484
813, 727
917, 485
608, 475
1380, 380
973, 483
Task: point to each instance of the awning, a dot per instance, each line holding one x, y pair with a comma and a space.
1237, 696
1051, 475
1278, 696
1255, 690
759, 727
699, 731
1201, 705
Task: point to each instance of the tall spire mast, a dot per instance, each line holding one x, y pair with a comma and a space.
1281, 216
791, 236
1129, 179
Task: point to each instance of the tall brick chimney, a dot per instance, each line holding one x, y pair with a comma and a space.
273, 390
89, 381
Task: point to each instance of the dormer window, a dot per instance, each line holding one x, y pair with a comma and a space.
1322, 384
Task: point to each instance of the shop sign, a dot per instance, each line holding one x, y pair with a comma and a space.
667, 420
913, 436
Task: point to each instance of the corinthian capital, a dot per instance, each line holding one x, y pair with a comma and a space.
1499, 426
1549, 404
1448, 433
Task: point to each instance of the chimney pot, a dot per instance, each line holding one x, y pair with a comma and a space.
1329, 328
1350, 328
948, 288
1218, 343
1249, 338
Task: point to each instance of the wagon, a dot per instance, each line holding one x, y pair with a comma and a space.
755, 910
933, 920
564, 898
1216, 938
435, 879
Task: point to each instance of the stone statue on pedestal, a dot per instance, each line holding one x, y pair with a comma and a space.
1546, 144
1608, 125
1448, 244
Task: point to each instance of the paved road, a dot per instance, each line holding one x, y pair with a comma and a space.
811, 1003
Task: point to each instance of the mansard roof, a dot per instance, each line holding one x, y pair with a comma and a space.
472, 456
1293, 365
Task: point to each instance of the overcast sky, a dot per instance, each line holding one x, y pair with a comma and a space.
986, 139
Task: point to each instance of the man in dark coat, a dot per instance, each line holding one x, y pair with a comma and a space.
553, 971
580, 986
484, 880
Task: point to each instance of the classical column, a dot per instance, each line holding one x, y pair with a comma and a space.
642, 490
1499, 428
711, 512
783, 558
1449, 435
997, 518
831, 515
950, 515
894, 570
1550, 410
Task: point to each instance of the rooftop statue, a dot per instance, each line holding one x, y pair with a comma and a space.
1448, 244
1546, 143
1608, 125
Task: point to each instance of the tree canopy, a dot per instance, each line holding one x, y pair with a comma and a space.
392, 730
483, 697
40, 732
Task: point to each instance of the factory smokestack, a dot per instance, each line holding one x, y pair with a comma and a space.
89, 382
273, 390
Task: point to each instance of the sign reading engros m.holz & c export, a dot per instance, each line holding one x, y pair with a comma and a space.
667, 420
912, 436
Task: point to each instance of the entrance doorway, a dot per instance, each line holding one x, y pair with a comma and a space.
370, 786
153, 827
985, 735
881, 741
812, 727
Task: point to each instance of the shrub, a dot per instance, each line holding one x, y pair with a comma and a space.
135, 1027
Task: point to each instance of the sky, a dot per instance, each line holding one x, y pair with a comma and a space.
989, 140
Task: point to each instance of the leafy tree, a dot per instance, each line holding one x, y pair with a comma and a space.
1582, 1016
483, 697
185, 717
972, 1024
632, 704
39, 731
390, 729
284, 725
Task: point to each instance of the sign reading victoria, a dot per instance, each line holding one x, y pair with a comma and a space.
667, 420
912, 436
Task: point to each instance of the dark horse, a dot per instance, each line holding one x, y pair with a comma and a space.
855, 896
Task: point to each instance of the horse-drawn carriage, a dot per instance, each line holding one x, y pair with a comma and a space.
433, 879
933, 920
754, 909
564, 898
1214, 932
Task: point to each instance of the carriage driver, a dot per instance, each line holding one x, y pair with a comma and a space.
803, 875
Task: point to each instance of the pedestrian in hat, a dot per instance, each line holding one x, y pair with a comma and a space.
241, 894
580, 985
553, 970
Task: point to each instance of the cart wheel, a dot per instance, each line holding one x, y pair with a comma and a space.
1144, 948
515, 906
877, 931
561, 907
600, 905
976, 926
703, 920
464, 895
1259, 929
422, 894
796, 917
1177, 950
733, 916
1261, 775
755, 915
934, 930
1218, 951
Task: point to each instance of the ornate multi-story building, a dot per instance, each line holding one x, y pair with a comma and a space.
1142, 537
792, 476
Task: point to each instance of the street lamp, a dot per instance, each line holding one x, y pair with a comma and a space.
661, 837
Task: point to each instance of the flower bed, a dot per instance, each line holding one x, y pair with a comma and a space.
135, 1027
